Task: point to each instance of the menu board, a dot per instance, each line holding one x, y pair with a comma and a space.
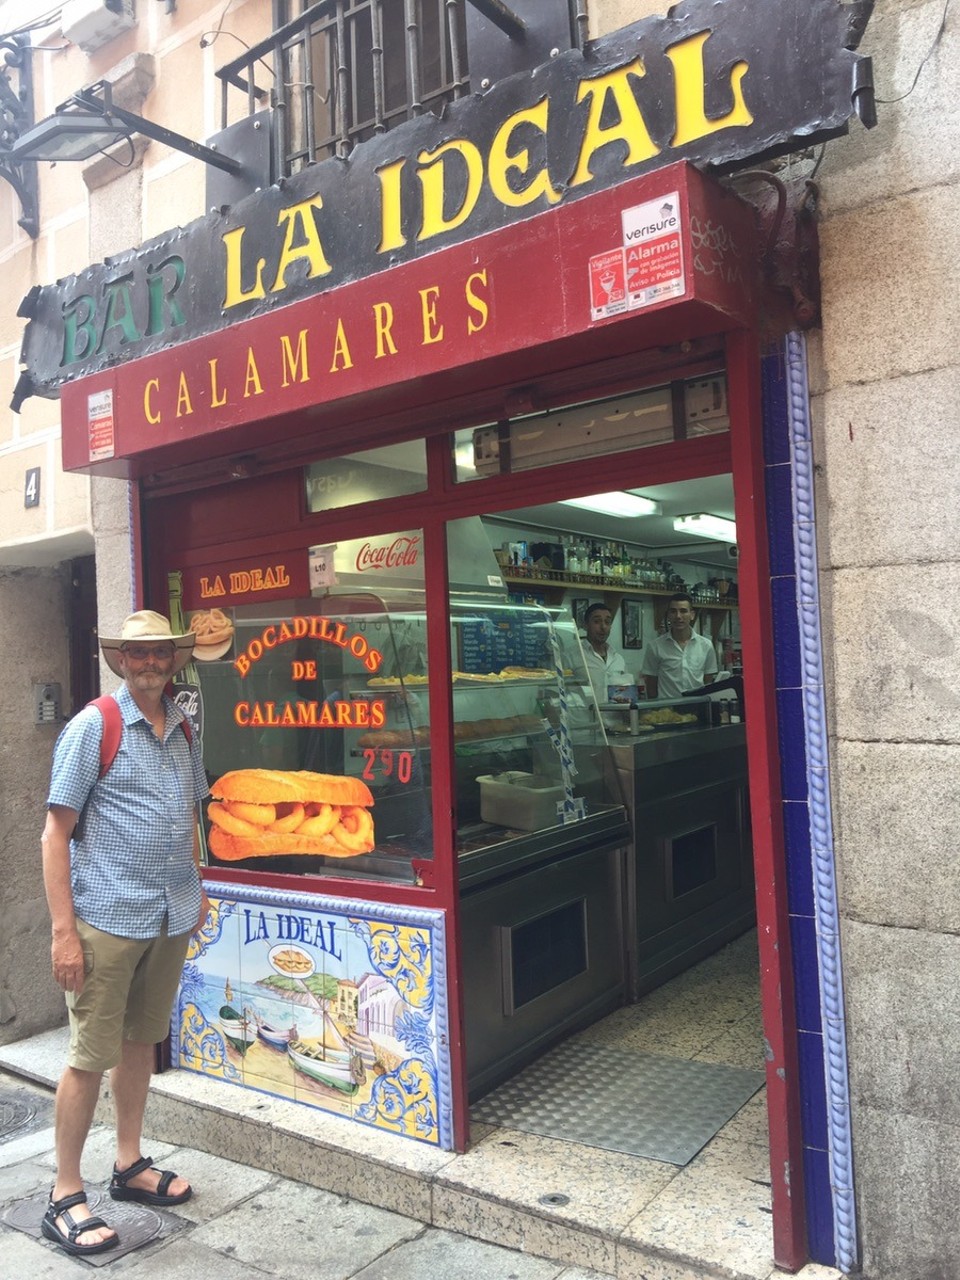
503, 639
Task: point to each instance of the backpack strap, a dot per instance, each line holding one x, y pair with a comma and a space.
109, 710
112, 729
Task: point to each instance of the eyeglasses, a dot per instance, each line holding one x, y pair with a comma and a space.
141, 652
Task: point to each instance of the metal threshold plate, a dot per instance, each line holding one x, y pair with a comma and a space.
663, 1109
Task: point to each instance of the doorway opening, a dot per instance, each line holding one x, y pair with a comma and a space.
686, 1017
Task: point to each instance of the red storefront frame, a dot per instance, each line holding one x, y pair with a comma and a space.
552, 346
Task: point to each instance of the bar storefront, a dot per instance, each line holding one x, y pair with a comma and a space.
435, 846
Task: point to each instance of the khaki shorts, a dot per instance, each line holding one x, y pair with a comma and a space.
128, 991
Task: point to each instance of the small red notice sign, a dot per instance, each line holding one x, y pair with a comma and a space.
100, 425
608, 294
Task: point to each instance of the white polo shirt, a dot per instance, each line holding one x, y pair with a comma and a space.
679, 666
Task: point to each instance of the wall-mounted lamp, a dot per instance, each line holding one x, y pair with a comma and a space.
620, 503
716, 528
89, 122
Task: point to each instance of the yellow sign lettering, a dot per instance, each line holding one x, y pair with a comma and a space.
341, 350
615, 88
233, 243
294, 364
433, 185
691, 116
476, 302
383, 314
253, 377
184, 407
501, 162
432, 331
217, 397
299, 218
151, 386
391, 228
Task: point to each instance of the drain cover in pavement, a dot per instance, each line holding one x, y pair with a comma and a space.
135, 1224
24, 1111
14, 1116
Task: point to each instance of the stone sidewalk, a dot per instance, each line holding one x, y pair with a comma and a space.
240, 1223
516, 1205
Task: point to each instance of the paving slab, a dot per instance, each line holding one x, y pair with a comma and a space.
301, 1233
454, 1257
183, 1258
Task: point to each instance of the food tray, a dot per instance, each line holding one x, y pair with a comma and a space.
518, 799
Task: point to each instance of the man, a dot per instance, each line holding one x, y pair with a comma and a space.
681, 659
124, 893
605, 665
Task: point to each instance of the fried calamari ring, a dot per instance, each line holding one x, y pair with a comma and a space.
322, 822
260, 815
354, 830
222, 817
210, 626
288, 822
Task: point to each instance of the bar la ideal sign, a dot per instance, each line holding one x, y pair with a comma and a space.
718, 83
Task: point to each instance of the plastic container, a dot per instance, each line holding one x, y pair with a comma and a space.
518, 799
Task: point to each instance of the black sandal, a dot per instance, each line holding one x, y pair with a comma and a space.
120, 1191
68, 1242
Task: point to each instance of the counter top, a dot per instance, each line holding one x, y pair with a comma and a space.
632, 751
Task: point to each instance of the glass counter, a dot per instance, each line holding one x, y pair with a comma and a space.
314, 720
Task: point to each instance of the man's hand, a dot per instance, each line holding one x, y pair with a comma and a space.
66, 955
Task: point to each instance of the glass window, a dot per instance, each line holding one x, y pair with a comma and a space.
680, 411
387, 472
312, 713
530, 748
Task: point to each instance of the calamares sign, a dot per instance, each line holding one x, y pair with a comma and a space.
715, 82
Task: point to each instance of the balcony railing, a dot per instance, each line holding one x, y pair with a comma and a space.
343, 71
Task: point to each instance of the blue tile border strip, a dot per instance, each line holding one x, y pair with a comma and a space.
826, 912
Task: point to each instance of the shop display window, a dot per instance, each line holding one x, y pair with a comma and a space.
311, 712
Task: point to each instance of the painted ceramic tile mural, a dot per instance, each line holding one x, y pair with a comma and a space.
338, 1005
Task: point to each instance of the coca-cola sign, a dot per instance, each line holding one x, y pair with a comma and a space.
403, 551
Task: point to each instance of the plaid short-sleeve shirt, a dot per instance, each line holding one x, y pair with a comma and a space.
132, 863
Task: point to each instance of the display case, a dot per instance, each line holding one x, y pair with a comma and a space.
531, 753
287, 704
314, 719
627, 717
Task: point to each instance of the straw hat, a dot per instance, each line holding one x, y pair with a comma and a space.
147, 627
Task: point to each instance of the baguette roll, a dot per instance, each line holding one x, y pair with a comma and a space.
261, 813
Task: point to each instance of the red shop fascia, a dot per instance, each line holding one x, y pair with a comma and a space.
556, 240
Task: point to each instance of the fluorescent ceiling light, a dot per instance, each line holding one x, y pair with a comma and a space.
617, 504
716, 528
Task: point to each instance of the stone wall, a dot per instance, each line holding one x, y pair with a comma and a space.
33, 639
886, 378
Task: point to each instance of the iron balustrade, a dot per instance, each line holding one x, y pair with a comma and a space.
342, 71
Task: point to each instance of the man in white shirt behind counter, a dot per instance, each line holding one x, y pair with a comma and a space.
680, 660
605, 665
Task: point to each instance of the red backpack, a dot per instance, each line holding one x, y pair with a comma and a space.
109, 710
